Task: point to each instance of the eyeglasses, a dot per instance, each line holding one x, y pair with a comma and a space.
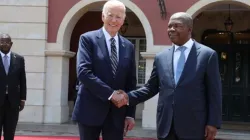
5, 43
111, 17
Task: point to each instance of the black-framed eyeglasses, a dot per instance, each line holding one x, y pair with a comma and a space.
5, 43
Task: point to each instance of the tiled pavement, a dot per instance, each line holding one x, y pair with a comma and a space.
242, 132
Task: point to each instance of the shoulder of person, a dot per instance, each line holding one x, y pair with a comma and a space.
90, 33
126, 41
205, 48
164, 52
17, 55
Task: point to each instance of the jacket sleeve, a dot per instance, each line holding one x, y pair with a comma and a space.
84, 70
131, 84
214, 92
23, 87
149, 90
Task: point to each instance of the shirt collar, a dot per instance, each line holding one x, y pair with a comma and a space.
2, 54
188, 44
107, 35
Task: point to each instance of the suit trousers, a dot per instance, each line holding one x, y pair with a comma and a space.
8, 119
108, 130
171, 135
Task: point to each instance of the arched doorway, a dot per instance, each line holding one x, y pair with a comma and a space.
232, 48
86, 16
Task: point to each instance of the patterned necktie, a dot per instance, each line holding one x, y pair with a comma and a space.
6, 63
113, 57
180, 63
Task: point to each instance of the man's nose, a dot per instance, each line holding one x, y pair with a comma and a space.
171, 28
113, 19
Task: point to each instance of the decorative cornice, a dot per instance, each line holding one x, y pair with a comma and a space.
59, 53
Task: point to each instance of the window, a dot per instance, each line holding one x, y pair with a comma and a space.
140, 46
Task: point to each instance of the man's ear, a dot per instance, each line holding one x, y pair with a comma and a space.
190, 30
103, 16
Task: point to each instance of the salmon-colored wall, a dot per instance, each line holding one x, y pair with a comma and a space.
159, 26
58, 9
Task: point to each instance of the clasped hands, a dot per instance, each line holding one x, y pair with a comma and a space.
119, 98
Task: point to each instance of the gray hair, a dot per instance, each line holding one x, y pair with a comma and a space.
184, 17
112, 3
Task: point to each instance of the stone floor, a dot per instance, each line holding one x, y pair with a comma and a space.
229, 131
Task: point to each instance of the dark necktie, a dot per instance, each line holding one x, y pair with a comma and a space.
113, 56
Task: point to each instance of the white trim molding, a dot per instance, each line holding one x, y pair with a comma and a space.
79, 9
201, 5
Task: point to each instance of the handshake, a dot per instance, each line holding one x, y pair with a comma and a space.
119, 98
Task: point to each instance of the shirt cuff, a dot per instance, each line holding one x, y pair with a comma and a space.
111, 95
127, 117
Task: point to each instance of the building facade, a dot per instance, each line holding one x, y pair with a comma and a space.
46, 33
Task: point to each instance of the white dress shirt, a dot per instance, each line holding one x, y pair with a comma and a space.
108, 42
177, 53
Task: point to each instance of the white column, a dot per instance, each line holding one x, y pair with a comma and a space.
149, 111
56, 108
150, 106
26, 22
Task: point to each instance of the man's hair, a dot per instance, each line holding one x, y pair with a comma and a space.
184, 17
112, 3
4, 35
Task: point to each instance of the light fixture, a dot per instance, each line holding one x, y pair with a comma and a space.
228, 22
162, 9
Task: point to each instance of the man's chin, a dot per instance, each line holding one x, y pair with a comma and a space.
173, 40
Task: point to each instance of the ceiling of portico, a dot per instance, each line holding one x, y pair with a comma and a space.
225, 7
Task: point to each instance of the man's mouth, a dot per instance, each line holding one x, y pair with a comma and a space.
112, 25
171, 35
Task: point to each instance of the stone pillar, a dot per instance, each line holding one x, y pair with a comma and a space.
150, 106
26, 22
56, 108
149, 111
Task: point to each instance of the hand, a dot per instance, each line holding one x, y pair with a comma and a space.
129, 125
119, 98
21, 106
210, 132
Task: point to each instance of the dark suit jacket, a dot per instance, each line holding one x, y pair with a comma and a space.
96, 81
191, 104
15, 82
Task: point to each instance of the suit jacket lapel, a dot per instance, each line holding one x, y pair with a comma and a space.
122, 52
1, 64
12, 63
190, 63
103, 46
170, 64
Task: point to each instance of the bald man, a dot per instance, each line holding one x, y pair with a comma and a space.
12, 87
187, 78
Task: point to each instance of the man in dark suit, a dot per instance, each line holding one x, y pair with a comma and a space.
105, 63
188, 81
12, 87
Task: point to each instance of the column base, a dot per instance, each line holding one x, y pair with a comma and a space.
56, 114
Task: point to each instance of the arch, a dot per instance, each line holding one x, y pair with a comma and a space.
79, 9
199, 6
